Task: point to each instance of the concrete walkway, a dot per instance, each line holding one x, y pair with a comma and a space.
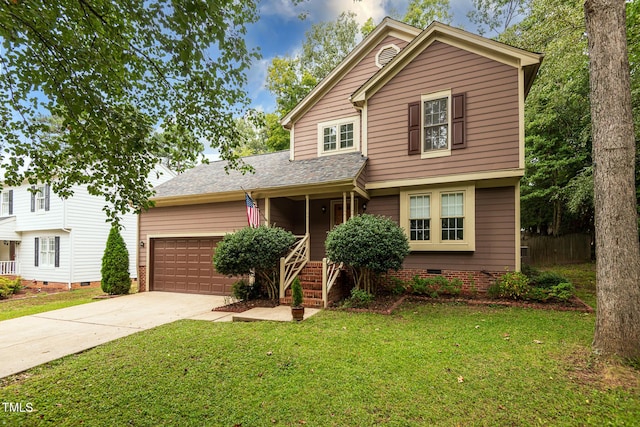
30, 341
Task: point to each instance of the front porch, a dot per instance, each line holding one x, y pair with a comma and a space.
9, 242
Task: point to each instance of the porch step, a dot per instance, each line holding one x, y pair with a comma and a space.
311, 281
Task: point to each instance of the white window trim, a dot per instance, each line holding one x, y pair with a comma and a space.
52, 251
356, 136
40, 195
436, 243
4, 210
430, 97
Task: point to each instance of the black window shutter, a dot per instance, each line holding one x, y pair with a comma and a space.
414, 128
458, 137
57, 253
10, 202
47, 197
37, 253
33, 199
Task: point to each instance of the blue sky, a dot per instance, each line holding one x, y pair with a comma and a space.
280, 32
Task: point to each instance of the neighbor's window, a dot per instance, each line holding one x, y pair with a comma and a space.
40, 198
452, 216
420, 217
47, 251
5, 204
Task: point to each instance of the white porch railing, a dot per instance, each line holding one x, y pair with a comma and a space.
330, 272
291, 265
8, 268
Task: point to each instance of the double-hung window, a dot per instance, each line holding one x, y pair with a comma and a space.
437, 124
338, 136
439, 218
47, 251
6, 203
40, 198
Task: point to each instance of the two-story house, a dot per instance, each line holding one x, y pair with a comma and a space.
423, 126
59, 243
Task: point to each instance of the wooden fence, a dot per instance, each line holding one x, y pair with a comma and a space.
548, 250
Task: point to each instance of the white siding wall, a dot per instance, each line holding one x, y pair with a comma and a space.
81, 224
25, 257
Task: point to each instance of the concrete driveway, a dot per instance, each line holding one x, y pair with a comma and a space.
29, 341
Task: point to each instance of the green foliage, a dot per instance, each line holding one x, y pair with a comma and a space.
420, 13
535, 286
254, 248
368, 244
512, 285
435, 286
496, 15
115, 265
245, 291
9, 286
112, 71
359, 299
296, 293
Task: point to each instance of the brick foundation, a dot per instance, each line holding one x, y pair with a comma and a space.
472, 281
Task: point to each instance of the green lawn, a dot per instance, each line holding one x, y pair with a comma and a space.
44, 301
583, 277
428, 364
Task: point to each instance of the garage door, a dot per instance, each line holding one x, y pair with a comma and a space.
185, 265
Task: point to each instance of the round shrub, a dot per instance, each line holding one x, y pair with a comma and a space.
115, 265
369, 245
257, 249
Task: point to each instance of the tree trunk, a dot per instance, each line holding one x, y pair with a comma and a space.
617, 250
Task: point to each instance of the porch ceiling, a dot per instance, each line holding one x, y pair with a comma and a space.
8, 229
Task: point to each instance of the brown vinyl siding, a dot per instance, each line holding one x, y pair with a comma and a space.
281, 213
495, 238
335, 104
492, 114
190, 220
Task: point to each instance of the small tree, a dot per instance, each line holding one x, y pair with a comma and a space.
257, 249
369, 245
115, 265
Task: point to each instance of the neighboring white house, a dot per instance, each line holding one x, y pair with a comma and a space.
57, 243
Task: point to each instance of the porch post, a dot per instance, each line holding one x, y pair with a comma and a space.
353, 205
306, 200
267, 211
344, 206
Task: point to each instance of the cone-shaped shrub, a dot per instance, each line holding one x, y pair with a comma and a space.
115, 265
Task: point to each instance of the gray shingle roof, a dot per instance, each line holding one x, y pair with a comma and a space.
272, 170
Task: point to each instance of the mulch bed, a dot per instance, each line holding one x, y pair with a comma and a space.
240, 306
30, 293
387, 304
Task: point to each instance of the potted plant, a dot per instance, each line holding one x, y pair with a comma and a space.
297, 310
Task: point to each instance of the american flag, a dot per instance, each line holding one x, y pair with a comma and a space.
253, 213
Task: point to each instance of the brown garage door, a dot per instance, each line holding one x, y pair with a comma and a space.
185, 265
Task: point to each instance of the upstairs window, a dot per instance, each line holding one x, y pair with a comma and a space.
437, 124
338, 136
6, 207
40, 198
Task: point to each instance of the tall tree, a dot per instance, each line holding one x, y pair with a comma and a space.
496, 15
113, 71
614, 155
421, 13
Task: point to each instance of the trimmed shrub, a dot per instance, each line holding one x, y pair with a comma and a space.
9, 287
296, 293
359, 299
435, 286
369, 245
547, 280
115, 265
514, 285
257, 249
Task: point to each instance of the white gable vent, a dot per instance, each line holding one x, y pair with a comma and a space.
386, 54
